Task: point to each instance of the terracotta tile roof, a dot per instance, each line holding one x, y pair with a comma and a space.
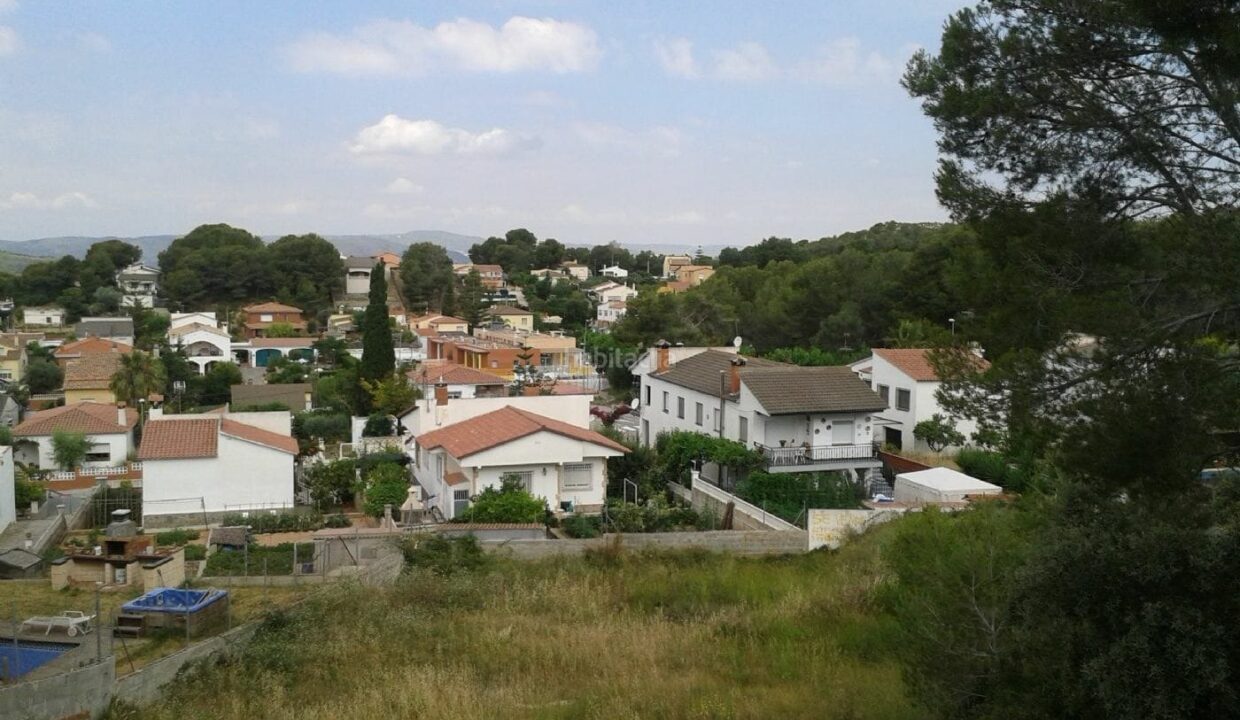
87, 417
915, 362
502, 426
507, 310
91, 372
179, 438
273, 440
282, 342
196, 327
198, 436
271, 307
90, 345
452, 374
446, 320
455, 478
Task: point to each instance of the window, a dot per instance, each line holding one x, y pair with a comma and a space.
577, 477
904, 399
742, 433
884, 392
697, 414
647, 403
526, 478
265, 317
680, 407
664, 401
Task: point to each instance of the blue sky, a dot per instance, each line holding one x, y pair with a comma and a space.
668, 122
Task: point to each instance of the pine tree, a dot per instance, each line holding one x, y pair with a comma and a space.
378, 356
447, 302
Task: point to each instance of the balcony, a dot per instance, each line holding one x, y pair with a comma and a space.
816, 457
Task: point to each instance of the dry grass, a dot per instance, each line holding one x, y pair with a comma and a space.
638, 636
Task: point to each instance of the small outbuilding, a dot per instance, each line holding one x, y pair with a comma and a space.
940, 485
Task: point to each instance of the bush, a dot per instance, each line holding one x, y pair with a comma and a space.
654, 515
386, 484
443, 555
278, 560
28, 491
788, 495
331, 483
259, 522
378, 426
195, 552
675, 451
510, 503
993, 467
331, 426
339, 520
582, 526
367, 462
176, 537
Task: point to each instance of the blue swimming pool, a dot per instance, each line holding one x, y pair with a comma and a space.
174, 600
20, 658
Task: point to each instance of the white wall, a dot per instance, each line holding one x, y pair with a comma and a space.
187, 318
118, 445
43, 316
277, 421
574, 409
657, 421
922, 403
243, 475
8, 511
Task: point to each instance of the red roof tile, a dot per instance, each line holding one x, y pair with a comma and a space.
503, 426
90, 345
273, 440
453, 374
86, 417
271, 307
178, 438
915, 362
91, 372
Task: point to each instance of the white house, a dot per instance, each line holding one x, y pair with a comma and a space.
800, 418
461, 382
176, 320
609, 313
610, 292
206, 466
614, 271
44, 315
357, 274
8, 488
108, 428
563, 463
576, 270
906, 380
139, 285
204, 345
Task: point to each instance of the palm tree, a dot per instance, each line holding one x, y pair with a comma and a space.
139, 376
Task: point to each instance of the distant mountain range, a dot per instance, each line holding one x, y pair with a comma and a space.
17, 254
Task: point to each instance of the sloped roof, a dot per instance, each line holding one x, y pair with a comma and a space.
507, 310
270, 307
85, 417
92, 371
91, 345
502, 426
293, 395
701, 372
180, 438
104, 327
273, 440
453, 374
915, 362
360, 262
293, 342
796, 390
193, 327
183, 437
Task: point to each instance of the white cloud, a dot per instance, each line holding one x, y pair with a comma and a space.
396, 135
676, 57
31, 201
399, 46
746, 62
842, 62
10, 43
403, 186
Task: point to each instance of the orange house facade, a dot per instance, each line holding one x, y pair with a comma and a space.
259, 318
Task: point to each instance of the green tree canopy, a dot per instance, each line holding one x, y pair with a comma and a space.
378, 353
425, 271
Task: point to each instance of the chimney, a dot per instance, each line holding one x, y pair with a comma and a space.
120, 414
734, 386
661, 355
441, 394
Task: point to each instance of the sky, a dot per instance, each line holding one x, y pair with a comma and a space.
643, 122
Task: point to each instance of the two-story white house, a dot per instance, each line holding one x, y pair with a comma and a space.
609, 313
139, 285
561, 462
614, 271
611, 292
203, 344
907, 382
800, 418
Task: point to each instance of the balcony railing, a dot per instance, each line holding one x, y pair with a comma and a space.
816, 454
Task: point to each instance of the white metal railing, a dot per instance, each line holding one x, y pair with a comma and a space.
812, 454
92, 472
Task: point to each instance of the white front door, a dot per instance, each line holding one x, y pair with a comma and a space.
842, 433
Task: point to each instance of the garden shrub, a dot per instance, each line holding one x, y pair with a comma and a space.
993, 467
653, 515
510, 503
278, 559
259, 522
386, 484
788, 495
444, 555
331, 483
178, 536
337, 520
582, 526
195, 552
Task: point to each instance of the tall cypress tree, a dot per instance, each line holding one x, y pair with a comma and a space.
378, 355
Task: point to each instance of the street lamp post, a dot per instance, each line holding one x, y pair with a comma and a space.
952, 322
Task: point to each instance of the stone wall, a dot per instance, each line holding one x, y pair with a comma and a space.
81, 692
736, 542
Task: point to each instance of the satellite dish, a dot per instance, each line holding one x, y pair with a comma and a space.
736, 342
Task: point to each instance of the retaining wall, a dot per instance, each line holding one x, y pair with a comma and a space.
736, 542
144, 685
81, 692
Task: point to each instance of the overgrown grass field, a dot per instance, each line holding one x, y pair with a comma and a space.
613, 635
